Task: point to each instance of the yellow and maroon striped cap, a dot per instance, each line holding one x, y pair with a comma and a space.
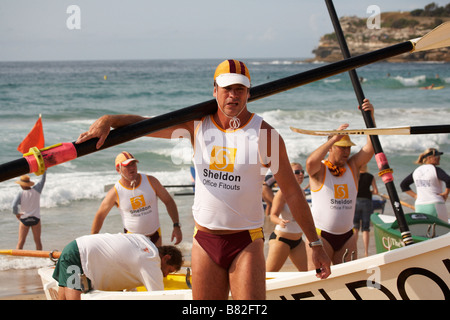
231, 72
124, 158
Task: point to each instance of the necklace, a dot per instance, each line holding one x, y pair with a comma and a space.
335, 170
235, 122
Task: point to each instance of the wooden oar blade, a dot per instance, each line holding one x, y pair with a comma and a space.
439, 37
368, 131
429, 129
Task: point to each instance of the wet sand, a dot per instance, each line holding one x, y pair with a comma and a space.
21, 285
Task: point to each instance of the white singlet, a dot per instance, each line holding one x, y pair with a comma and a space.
120, 261
138, 207
333, 204
229, 176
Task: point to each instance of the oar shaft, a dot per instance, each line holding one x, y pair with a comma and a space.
31, 253
300, 79
382, 162
429, 129
144, 127
197, 111
13, 169
19, 167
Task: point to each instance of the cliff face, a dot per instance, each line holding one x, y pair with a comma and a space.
396, 27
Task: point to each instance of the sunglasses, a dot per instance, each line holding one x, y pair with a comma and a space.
299, 171
433, 153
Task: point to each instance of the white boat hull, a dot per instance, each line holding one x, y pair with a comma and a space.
418, 272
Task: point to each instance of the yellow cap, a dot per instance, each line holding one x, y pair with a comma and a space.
345, 142
231, 72
124, 158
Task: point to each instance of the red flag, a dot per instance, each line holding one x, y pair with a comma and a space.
34, 139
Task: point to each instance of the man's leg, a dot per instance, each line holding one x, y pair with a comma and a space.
209, 280
65, 293
248, 273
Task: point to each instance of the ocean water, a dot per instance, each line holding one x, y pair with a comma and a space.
71, 95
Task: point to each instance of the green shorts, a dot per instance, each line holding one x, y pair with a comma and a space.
68, 268
437, 210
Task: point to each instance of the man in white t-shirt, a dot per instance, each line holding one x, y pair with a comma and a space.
113, 262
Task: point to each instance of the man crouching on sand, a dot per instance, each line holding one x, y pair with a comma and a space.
113, 262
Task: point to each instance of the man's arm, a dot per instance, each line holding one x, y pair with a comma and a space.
366, 153
171, 207
103, 210
102, 126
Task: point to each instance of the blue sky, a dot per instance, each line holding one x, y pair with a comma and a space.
165, 29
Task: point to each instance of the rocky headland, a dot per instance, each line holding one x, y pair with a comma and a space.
396, 27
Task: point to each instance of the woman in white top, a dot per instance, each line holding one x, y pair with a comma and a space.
27, 208
429, 179
286, 240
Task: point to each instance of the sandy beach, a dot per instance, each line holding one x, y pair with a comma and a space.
26, 283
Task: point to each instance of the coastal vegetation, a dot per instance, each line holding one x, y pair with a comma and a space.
395, 27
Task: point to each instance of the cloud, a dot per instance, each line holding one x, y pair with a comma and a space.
269, 35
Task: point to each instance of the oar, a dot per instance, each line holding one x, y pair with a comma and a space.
379, 131
385, 171
40, 160
406, 204
31, 253
107, 187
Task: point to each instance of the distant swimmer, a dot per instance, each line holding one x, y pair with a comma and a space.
428, 87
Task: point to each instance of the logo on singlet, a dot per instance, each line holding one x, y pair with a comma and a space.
222, 159
137, 202
341, 191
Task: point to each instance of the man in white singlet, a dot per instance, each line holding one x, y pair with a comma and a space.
231, 147
136, 196
334, 186
93, 262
